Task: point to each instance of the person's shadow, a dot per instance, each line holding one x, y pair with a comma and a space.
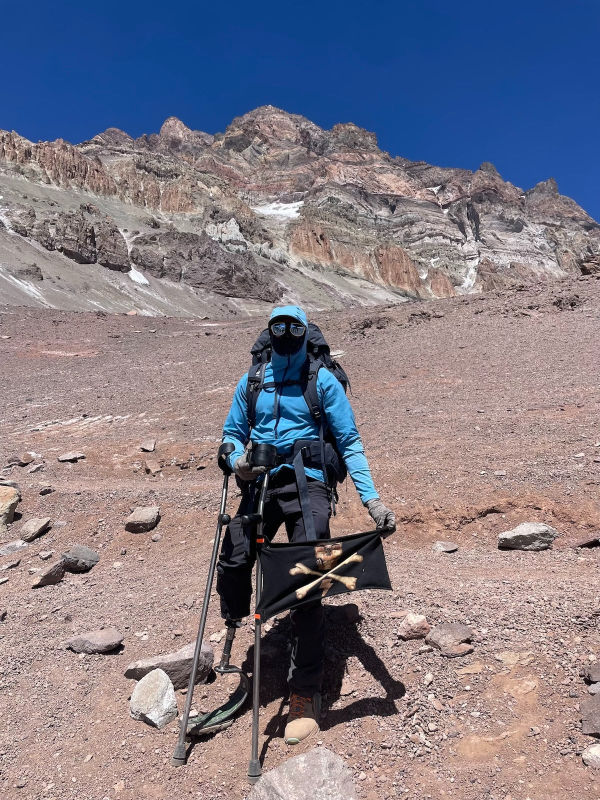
343, 640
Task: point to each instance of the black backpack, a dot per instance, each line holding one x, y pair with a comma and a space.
319, 356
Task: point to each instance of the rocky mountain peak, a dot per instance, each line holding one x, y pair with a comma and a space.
113, 137
487, 166
174, 128
549, 187
349, 136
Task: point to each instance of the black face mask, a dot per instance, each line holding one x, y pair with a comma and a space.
287, 345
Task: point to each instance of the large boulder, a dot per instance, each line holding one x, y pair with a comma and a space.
79, 558
9, 499
53, 574
317, 774
153, 700
142, 519
35, 527
104, 640
528, 536
178, 665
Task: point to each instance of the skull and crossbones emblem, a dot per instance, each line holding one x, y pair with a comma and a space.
328, 562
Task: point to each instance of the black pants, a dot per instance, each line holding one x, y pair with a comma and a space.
234, 571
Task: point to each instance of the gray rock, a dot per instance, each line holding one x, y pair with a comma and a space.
35, 527
148, 445
528, 536
46, 490
45, 554
318, 774
444, 547
12, 564
591, 673
594, 688
591, 756
178, 665
152, 466
12, 547
104, 640
590, 716
71, 456
142, 519
153, 699
79, 558
449, 636
9, 499
53, 574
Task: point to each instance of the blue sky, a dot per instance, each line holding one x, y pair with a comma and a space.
451, 83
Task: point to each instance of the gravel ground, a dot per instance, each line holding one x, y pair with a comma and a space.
477, 413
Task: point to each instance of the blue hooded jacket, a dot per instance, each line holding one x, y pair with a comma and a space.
282, 415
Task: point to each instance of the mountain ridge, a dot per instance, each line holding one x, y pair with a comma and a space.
303, 214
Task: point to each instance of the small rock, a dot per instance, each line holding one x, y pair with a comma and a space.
104, 640
12, 547
3, 580
79, 558
591, 756
51, 575
3, 613
589, 541
35, 527
319, 773
444, 547
143, 519
71, 456
153, 700
590, 716
591, 672
413, 626
156, 537
428, 679
594, 688
152, 466
46, 554
12, 564
347, 687
46, 490
35, 468
500, 473
178, 665
148, 445
449, 635
458, 650
528, 536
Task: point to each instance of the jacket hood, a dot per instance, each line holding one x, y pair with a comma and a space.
290, 366
295, 312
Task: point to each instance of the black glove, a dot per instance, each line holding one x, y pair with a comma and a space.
385, 520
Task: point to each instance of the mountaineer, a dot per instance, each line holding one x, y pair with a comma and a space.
294, 398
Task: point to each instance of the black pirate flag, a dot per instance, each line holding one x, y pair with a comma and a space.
294, 574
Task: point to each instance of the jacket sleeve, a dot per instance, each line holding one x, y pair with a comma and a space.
236, 429
340, 421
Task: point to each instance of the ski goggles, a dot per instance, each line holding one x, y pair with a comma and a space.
296, 329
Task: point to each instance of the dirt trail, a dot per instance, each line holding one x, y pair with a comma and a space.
477, 413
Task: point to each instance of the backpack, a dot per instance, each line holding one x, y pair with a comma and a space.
321, 453
319, 356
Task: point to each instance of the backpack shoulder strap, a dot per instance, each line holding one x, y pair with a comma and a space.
256, 379
311, 395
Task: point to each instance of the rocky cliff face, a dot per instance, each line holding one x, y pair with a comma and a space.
276, 208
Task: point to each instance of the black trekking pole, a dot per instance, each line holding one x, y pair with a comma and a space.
179, 754
262, 455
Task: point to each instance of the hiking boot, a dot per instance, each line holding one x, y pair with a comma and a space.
302, 718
